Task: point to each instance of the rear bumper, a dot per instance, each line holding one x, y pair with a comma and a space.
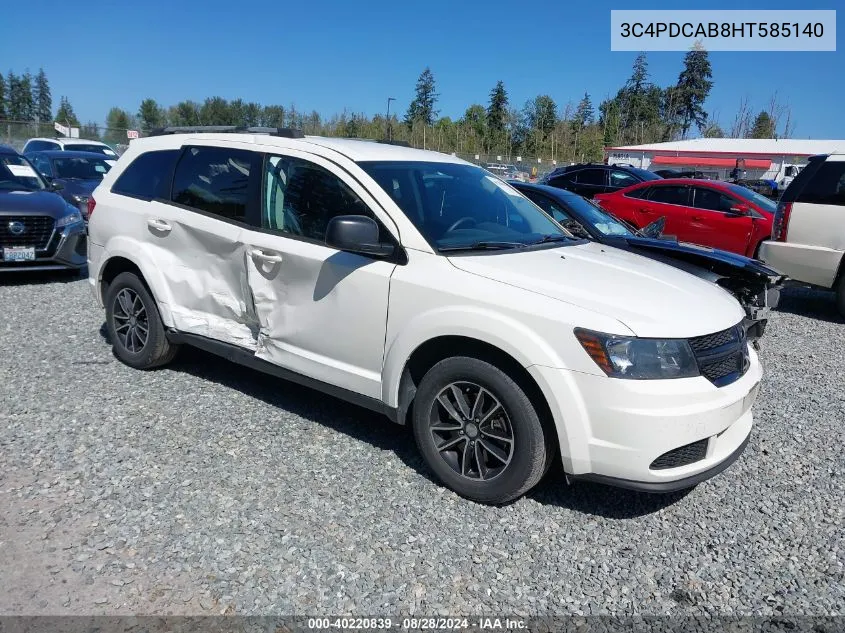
816, 265
70, 252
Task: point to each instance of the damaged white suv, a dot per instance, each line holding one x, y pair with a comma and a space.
427, 289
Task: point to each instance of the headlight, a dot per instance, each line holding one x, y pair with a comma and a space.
639, 358
79, 199
71, 218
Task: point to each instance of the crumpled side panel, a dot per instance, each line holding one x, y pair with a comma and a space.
209, 287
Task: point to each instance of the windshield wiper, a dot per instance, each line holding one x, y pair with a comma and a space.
482, 246
553, 237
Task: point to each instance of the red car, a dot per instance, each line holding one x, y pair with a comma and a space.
707, 212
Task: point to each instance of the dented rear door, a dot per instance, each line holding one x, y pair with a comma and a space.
201, 252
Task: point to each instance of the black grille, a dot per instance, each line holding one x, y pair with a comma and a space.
709, 341
36, 233
723, 356
681, 456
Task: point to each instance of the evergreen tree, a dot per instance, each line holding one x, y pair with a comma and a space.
150, 115
185, 113
117, 122
20, 106
422, 107
497, 112
584, 114
763, 127
65, 114
215, 111
4, 112
42, 98
693, 87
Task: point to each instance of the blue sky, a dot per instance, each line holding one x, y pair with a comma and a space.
332, 55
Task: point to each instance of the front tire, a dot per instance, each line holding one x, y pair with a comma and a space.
134, 324
478, 431
840, 295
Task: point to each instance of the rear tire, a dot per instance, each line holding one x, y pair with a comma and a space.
478, 431
134, 324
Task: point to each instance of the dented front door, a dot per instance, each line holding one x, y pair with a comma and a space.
322, 312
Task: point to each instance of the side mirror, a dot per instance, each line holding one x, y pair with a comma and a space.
356, 234
655, 229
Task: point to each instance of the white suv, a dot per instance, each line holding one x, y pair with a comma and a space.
808, 233
68, 144
425, 288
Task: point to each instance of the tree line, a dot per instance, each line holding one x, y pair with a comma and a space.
640, 112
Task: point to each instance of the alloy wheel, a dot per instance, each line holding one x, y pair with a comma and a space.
472, 431
131, 322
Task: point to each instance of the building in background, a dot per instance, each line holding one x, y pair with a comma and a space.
765, 159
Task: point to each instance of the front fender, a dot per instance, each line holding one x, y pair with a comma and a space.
511, 336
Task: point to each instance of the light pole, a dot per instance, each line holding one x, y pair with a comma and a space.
389, 130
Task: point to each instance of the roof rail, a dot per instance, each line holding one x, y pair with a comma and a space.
399, 143
284, 132
374, 140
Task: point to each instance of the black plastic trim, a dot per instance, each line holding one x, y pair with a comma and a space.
666, 486
247, 358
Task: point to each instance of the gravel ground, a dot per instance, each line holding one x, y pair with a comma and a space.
208, 488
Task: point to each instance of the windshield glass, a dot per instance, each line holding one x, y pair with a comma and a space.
81, 168
455, 205
97, 149
760, 200
644, 174
17, 174
592, 214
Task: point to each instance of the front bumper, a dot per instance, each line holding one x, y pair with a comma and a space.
614, 430
67, 249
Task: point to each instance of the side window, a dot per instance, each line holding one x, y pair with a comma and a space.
669, 195
215, 180
827, 186
621, 179
562, 182
300, 197
42, 164
713, 200
591, 177
560, 214
148, 176
639, 194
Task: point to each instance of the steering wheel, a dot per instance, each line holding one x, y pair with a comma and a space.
460, 222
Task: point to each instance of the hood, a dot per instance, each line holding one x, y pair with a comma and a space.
33, 203
714, 258
650, 298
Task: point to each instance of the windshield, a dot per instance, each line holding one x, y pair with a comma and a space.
760, 200
595, 216
456, 205
644, 174
81, 168
17, 174
97, 149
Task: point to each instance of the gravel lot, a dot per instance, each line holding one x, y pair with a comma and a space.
208, 488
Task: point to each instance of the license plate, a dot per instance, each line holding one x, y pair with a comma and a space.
19, 254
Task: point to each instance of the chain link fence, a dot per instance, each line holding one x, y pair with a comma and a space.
17, 133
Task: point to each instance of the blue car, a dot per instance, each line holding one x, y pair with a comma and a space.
755, 285
74, 175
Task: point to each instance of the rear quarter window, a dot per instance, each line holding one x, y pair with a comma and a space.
825, 186
148, 176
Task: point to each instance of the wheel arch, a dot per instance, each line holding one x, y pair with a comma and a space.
123, 258
430, 352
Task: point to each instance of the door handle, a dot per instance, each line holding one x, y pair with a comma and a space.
270, 258
159, 225
646, 210
698, 218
